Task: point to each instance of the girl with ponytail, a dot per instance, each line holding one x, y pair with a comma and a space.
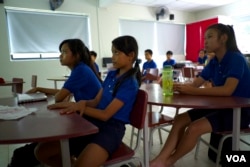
230, 75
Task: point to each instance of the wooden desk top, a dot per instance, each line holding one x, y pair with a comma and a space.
155, 97
58, 78
43, 125
9, 83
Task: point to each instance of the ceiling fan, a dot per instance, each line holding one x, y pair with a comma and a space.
161, 12
54, 4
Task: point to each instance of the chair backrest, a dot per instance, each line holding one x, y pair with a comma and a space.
34, 81
17, 88
153, 71
152, 74
139, 110
188, 72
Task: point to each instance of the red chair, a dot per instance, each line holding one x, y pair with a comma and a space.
159, 121
156, 121
125, 154
188, 74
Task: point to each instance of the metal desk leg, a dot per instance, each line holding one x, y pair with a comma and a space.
65, 153
236, 128
14, 90
55, 84
146, 140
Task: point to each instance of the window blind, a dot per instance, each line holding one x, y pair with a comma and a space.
35, 34
160, 37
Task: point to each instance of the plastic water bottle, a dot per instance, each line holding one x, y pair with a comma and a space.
167, 80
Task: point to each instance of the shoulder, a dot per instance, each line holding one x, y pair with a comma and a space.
111, 74
80, 66
145, 63
234, 56
129, 87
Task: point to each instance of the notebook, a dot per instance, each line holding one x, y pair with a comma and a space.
31, 97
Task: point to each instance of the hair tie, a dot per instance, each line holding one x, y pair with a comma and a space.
138, 61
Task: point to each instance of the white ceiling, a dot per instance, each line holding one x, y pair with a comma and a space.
181, 5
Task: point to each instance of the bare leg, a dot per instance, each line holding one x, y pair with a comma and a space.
180, 123
93, 155
49, 153
189, 139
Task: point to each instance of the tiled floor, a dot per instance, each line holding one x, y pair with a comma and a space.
7, 150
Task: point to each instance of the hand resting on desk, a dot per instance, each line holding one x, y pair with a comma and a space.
69, 107
183, 88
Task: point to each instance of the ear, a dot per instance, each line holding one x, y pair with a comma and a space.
224, 38
131, 56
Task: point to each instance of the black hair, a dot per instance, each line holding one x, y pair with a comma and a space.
149, 51
127, 44
93, 53
169, 52
77, 47
228, 30
203, 50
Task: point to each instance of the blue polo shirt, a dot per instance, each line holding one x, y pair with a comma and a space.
126, 93
149, 64
82, 83
96, 67
232, 65
170, 62
202, 60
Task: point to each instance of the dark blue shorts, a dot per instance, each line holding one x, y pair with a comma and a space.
109, 136
220, 119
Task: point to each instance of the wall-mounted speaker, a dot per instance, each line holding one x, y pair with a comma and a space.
171, 17
1, 1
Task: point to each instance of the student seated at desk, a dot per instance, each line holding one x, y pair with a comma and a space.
149, 64
109, 111
202, 57
83, 83
83, 74
228, 80
169, 60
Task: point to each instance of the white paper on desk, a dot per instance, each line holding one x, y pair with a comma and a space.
9, 113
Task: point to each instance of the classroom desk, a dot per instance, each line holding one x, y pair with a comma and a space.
44, 125
11, 83
58, 79
155, 97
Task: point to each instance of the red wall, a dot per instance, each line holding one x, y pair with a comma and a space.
195, 37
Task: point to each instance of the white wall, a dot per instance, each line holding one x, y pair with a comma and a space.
109, 25
234, 10
104, 22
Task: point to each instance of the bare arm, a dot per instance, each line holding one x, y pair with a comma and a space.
73, 107
105, 114
61, 95
226, 90
197, 82
94, 102
84, 108
43, 90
